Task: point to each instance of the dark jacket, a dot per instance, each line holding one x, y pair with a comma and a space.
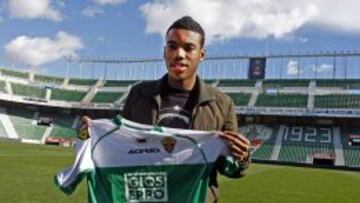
213, 111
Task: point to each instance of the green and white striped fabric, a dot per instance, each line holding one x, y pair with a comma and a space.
128, 162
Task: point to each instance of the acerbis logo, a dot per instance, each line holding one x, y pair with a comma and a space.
144, 150
146, 187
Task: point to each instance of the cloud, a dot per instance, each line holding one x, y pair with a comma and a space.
339, 15
25, 9
322, 68
230, 19
91, 11
96, 9
292, 68
36, 51
109, 2
224, 20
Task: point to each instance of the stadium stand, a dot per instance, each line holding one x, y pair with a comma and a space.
264, 133
351, 153
210, 81
12, 73
24, 123
2, 86
299, 153
117, 83
301, 142
345, 84
282, 100
337, 101
264, 152
2, 130
106, 97
29, 91
48, 79
67, 95
62, 126
82, 82
285, 83
236, 83
240, 99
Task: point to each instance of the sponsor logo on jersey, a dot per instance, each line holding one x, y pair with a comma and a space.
146, 187
168, 143
144, 150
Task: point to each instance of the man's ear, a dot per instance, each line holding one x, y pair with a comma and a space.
202, 54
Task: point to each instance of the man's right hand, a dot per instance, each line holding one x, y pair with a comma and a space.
85, 121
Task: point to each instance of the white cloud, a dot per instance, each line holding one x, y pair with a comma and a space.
322, 68
339, 15
36, 51
303, 39
109, 2
95, 10
292, 68
26, 9
223, 20
91, 11
233, 18
60, 3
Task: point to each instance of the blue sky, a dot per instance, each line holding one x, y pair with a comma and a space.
40, 33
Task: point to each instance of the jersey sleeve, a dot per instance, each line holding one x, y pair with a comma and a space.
67, 179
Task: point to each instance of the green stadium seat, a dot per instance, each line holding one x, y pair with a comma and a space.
2, 86
29, 91
119, 83
82, 82
345, 84
67, 95
337, 101
106, 97
14, 73
237, 83
240, 99
22, 121
263, 152
282, 100
285, 83
62, 126
48, 79
298, 153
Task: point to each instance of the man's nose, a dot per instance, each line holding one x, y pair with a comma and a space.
180, 53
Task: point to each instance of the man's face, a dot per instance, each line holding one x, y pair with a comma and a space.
182, 54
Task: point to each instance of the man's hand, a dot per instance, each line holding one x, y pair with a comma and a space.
85, 121
238, 145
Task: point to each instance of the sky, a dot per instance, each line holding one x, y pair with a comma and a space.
40, 34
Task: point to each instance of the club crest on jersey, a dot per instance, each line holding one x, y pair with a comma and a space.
168, 143
83, 133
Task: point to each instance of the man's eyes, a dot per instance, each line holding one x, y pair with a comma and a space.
171, 46
187, 48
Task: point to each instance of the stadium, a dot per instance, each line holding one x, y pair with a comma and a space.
304, 129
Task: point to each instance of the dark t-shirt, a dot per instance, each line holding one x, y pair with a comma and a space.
176, 107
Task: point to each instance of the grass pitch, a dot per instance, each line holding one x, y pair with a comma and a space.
27, 173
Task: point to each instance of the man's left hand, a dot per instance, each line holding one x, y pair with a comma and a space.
238, 145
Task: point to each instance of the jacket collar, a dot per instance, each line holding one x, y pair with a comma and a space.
205, 92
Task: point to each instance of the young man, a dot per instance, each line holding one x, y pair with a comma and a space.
181, 99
